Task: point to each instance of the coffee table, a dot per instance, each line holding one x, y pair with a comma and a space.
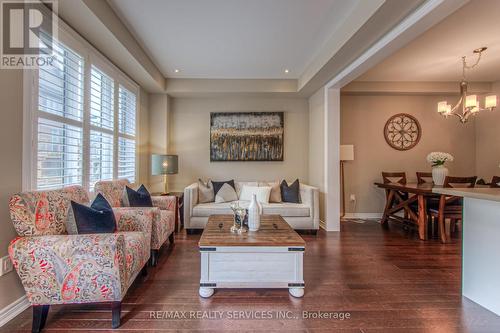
269, 258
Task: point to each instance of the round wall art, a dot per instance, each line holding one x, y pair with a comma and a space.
402, 131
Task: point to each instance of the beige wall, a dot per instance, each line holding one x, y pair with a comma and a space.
362, 122
488, 141
11, 141
317, 146
143, 141
189, 137
158, 133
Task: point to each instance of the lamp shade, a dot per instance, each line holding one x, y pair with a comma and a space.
164, 164
346, 152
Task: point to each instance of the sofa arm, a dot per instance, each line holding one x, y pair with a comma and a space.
190, 200
164, 202
58, 269
310, 197
136, 218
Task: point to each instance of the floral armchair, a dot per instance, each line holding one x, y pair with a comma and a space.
163, 223
57, 268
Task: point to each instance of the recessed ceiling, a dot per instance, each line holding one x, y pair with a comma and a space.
436, 54
228, 39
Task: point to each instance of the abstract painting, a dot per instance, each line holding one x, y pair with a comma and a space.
246, 136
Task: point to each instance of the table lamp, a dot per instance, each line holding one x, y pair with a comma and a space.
164, 165
346, 154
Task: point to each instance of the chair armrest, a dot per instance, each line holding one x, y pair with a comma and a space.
136, 218
164, 202
58, 269
310, 197
190, 198
307, 194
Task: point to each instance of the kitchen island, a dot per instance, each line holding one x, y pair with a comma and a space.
480, 244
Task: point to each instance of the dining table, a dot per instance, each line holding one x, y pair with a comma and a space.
411, 199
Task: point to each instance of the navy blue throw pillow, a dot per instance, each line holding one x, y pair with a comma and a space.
217, 185
96, 219
139, 198
290, 193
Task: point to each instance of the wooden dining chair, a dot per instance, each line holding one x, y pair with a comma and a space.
495, 182
450, 207
424, 178
394, 177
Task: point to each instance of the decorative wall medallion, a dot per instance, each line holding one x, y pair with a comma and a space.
402, 131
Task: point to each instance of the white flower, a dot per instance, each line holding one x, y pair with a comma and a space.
439, 158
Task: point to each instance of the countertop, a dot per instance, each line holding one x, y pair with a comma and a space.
492, 194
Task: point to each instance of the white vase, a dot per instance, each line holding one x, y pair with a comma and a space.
439, 173
254, 211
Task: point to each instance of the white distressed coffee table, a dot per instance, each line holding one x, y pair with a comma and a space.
269, 258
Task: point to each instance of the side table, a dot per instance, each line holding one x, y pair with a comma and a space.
179, 211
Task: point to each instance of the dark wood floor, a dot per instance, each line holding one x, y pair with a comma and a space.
387, 280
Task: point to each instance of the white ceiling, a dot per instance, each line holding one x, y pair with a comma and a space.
436, 54
244, 39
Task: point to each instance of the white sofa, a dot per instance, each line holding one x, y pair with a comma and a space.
303, 216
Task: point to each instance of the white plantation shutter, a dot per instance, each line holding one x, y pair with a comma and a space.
126, 159
127, 111
61, 85
101, 99
127, 106
101, 157
102, 126
84, 120
59, 154
60, 121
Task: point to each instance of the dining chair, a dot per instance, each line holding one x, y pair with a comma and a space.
450, 207
495, 182
394, 177
424, 178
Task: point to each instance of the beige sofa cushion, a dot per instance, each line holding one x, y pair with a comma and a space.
261, 192
287, 209
226, 194
239, 186
284, 209
205, 191
275, 195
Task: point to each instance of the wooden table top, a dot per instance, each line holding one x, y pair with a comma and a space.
425, 188
274, 231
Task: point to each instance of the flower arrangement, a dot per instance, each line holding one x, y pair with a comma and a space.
437, 158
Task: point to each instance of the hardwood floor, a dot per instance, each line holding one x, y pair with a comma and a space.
387, 280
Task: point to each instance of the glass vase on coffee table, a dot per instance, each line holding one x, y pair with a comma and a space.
241, 212
234, 207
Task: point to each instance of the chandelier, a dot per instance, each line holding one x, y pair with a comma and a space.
467, 105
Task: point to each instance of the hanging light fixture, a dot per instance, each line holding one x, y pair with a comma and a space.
467, 105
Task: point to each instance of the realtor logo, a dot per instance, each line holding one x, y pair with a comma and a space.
28, 30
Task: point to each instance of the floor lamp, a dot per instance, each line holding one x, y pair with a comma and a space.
346, 154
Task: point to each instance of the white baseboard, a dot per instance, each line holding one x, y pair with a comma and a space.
363, 215
13, 309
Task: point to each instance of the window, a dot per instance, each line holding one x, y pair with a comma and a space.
85, 124
60, 121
